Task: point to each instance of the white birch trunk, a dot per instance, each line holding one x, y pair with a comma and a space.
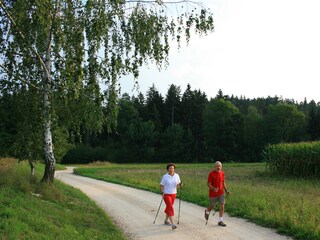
48, 145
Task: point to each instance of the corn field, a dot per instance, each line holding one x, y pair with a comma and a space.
294, 159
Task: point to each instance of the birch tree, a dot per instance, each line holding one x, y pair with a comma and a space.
70, 48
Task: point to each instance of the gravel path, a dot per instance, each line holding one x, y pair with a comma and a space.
134, 211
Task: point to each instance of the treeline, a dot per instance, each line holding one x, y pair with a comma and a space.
179, 127
189, 127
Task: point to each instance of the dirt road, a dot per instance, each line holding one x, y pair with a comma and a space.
134, 211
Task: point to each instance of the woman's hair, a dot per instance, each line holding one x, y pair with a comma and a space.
170, 164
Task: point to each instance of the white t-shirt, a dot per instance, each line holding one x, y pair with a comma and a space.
170, 183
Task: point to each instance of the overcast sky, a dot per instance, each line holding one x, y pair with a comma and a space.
259, 48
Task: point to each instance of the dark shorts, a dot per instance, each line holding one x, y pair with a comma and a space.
219, 199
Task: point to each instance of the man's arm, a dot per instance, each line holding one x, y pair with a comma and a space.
212, 188
225, 187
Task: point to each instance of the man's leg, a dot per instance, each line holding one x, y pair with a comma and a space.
210, 207
221, 212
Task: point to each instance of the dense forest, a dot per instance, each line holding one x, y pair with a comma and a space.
179, 127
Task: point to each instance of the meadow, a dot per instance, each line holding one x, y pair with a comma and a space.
289, 205
32, 210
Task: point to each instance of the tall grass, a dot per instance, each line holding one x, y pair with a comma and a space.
31, 210
289, 205
294, 159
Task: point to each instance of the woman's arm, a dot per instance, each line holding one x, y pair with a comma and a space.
162, 189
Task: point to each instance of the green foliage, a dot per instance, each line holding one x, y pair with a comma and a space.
61, 144
155, 107
63, 50
66, 50
173, 143
285, 123
193, 103
313, 128
253, 134
172, 106
20, 116
294, 159
288, 205
139, 142
223, 130
239, 136
85, 154
226, 128
128, 113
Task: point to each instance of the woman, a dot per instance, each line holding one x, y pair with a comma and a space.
168, 187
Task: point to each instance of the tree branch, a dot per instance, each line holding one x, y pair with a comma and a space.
22, 35
22, 80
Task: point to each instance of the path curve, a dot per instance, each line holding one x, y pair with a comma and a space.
134, 211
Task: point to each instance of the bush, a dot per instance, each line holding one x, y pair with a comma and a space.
86, 154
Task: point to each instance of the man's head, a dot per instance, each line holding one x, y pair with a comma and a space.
217, 166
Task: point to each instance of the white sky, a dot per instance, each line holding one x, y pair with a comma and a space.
259, 48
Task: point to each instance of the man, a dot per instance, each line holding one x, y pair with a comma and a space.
217, 186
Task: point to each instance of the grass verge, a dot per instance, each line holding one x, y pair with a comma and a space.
31, 210
291, 206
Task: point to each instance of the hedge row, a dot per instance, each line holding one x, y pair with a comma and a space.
85, 154
294, 159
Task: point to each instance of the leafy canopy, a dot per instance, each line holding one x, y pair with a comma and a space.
79, 44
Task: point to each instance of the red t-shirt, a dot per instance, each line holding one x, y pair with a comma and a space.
216, 179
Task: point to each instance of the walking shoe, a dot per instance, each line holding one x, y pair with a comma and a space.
166, 222
206, 214
174, 226
222, 224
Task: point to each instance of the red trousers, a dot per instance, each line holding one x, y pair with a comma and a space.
169, 200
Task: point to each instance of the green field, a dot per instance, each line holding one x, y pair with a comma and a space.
31, 210
289, 205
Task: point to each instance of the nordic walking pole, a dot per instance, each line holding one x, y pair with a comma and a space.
179, 202
214, 212
158, 210
208, 218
